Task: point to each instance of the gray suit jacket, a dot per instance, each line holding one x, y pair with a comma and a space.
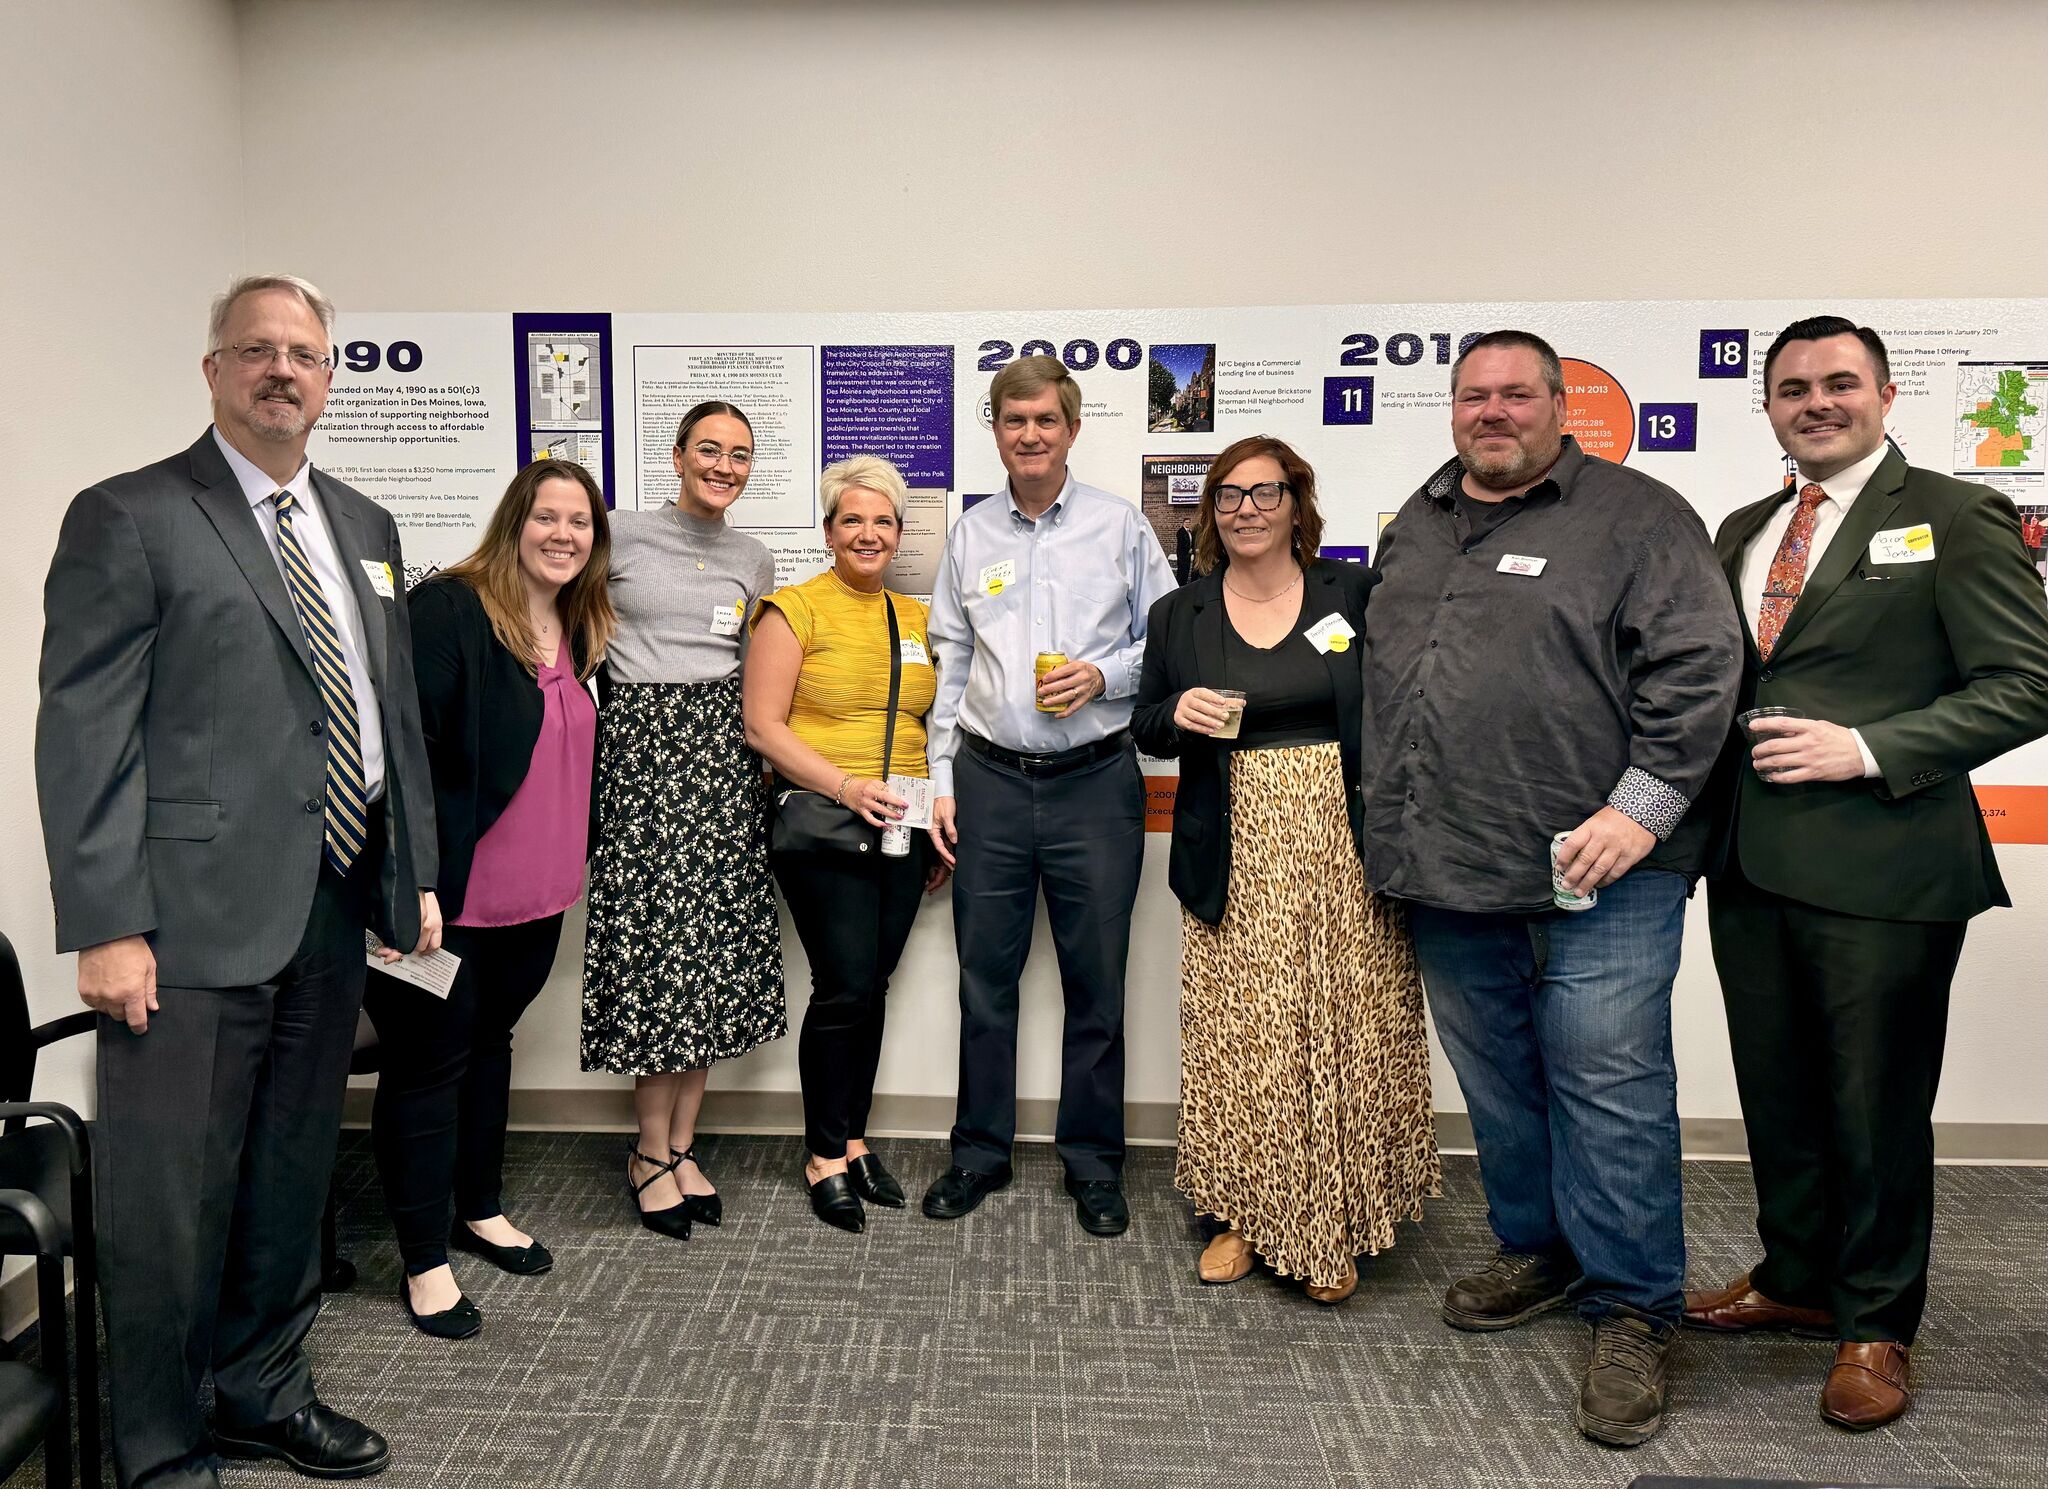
180, 757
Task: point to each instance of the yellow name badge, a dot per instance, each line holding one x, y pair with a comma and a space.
1332, 633
996, 578
380, 578
1903, 545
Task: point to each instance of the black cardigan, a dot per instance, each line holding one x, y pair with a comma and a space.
481, 713
1184, 644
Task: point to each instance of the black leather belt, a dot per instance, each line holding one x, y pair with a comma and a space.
1063, 762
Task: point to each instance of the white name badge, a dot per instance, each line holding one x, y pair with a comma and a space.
1903, 545
725, 619
1520, 563
913, 653
380, 577
1332, 633
997, 577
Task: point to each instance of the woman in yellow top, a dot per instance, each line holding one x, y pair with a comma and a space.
816, 703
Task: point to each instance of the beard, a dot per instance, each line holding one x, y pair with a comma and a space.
280, 422
1510, 467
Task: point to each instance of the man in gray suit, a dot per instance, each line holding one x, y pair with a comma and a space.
233, 787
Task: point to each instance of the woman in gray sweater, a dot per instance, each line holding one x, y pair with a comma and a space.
683, 965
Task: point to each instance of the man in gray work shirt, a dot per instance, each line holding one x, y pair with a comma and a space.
1552, 649
1035, 782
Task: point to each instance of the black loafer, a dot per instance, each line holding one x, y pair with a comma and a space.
874, 1183
834, 1202
316, 1440
1099, 1205
457, 1322
529, 1260
959, 1191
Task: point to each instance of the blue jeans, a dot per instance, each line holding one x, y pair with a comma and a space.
1559, 1027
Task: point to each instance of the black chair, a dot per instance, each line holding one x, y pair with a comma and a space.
35, 1404
337, 1272
46, 1150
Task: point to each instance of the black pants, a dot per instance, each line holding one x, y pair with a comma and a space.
1081, 836
1837, 1025
438, 1126
853, 916
216, 1135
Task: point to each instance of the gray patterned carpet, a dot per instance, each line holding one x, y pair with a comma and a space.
1012, 1349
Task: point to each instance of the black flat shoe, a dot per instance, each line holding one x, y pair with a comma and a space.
959, 1190
1099, 1206
458, 1322
316, 1440
874, 1183
529, 1260
834, 1202
674, 1222
705, 1209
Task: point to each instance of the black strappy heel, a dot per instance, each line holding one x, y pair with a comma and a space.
674, 1222
705, 1209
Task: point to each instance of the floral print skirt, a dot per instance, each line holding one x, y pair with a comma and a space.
683, 964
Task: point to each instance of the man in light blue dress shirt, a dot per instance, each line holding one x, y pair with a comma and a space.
1036, 783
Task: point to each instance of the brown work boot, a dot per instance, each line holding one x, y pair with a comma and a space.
1621, 1401
1227, 1258
1866, 1385
1511, 1289
1739, 1308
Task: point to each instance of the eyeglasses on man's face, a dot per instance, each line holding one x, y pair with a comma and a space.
263, 354
1265, 496
710, 456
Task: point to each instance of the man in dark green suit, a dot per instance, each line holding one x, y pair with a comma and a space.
1894, 611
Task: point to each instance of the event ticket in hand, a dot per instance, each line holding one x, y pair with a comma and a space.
435, 971
916, 792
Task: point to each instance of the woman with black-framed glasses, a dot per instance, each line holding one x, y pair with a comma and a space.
1305, 1124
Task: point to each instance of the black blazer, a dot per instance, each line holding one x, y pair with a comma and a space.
481, 713
1184, 644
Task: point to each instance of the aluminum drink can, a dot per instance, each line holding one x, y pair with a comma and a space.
1563, 898
896, 841
1047, 660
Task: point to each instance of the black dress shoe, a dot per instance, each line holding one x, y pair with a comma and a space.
457, 1322
874, 1183
316, 1440
1099, 1204
705, 1209
529, 1260
834, 1202
674, 1222
959, 1190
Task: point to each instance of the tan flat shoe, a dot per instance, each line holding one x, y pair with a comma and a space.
1228, 1258
1337, 1294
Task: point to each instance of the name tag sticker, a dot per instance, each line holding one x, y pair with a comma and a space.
913, 653
1903, 545
997, 577
380, 577
725, 619
1332, 633
1520, 563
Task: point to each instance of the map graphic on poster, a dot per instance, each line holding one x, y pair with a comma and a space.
564, 383
1999, 416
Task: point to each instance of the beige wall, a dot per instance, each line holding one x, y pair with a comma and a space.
511, 154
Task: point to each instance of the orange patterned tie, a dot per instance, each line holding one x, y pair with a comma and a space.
1788, 570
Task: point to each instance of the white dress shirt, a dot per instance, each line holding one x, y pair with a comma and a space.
1843, 487
310, 524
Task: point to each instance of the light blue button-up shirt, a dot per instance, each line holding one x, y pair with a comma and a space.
1079, 580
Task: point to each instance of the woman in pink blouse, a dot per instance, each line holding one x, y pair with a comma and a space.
503, 644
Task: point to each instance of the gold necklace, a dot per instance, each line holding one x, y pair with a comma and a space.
1262, 599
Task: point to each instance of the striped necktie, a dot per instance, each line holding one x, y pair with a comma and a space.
347, 811
1788, 571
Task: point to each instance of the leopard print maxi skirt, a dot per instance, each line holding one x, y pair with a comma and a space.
1304, 1111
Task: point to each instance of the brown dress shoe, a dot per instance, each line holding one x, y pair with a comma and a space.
1344, 1287
1739, 1308
1866, 1385
1227, 1258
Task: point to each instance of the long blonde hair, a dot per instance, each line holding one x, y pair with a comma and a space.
492, 571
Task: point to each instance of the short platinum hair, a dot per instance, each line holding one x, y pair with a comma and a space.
256, 284
862, 473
